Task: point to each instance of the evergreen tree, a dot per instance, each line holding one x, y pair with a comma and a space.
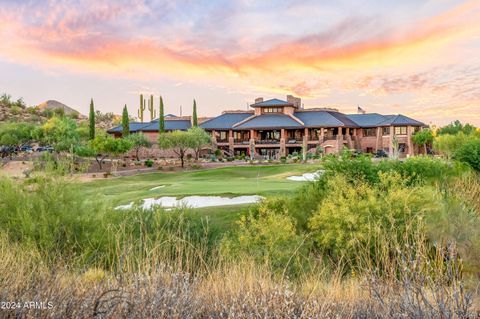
194, 115
92, 121
161, 119
125, 122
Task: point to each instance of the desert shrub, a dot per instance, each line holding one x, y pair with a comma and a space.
469, 153
148, 163
352, 218
268, 238
49, 215
418, 169
147, 238
354, 168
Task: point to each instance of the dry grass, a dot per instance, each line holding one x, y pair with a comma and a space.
229, 290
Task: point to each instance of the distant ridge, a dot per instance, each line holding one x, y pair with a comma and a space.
55, 105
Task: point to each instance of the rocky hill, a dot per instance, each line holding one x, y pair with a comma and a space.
53, 105
11, 111
18, 113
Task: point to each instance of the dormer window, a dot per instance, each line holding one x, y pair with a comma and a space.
267, 110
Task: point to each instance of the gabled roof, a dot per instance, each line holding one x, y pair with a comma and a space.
224, 121
324, 119
367, 120
272, 102
134, 127
170, 125
400, 120
375, 119
269, 121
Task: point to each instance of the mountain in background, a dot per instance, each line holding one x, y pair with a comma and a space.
53, 105
17, 111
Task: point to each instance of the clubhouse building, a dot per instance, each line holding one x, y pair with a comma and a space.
275, 128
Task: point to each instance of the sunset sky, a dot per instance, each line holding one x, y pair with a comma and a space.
419, 58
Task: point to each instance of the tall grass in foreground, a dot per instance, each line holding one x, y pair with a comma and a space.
228, 290
91, 261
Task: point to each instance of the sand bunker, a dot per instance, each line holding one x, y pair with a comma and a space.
194, 201
307, 177
158, 187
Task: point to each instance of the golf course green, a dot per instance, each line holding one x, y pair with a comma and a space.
226, 181
266, 181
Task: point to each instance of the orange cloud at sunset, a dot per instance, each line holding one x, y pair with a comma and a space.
351, 56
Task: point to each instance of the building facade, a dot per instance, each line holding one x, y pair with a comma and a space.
276, 128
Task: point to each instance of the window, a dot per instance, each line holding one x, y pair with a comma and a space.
400, 130
273, 110
386, 130
369, 132
223, 135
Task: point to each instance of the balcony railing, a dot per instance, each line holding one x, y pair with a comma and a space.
222, 140
241, 141
294, 141
267, 142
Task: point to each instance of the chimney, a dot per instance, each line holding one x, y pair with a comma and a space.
258, 100
296, 101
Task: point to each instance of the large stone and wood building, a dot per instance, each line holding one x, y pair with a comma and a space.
275, 128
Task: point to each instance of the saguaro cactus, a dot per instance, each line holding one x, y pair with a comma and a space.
142, 108
153, 112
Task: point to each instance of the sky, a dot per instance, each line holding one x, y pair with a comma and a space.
420, 58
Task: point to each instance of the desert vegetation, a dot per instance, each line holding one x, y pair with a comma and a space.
387, 239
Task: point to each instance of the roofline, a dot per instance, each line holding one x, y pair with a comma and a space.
268, 128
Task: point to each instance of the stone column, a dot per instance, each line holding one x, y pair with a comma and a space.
283, 148
230, 141
214, 139
339, 140
252, 144
378, 139
390, 143
409, 141
322, 135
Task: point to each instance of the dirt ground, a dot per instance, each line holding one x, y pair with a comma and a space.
15, 168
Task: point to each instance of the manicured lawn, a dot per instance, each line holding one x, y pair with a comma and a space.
227, 181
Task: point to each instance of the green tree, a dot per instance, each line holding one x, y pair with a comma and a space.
200, 139
104, 145
194, 114
177, 141
61, 133
16, 134
456, 127
448, 144
423, 138
469, 153
138, 140
125, 122
91, 119
161, 118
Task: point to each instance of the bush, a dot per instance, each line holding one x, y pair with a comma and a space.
148, 163
358, 217
269, 239
469, 153
414, 169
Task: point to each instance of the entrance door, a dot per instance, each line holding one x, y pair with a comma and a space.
269, 153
